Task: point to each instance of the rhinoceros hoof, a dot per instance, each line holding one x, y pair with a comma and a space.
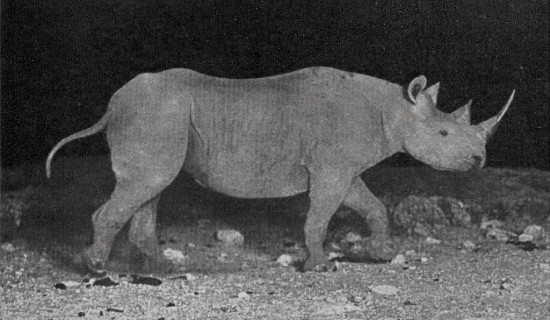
380, 249
95, 267
156, 264
318, 265
371, 249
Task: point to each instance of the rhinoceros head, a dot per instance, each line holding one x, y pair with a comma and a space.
445, 141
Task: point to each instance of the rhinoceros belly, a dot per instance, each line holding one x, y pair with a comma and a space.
248, 171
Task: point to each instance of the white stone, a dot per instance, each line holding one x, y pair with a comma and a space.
335, 255
173, 255
230, 237
8, 247
285, 260
399, 259
469, 245
384, 289
525, 237
430, 240
491, 224
536, 231
352, 237
498, 234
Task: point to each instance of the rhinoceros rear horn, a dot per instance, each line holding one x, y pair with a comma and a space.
462, 114
489, 126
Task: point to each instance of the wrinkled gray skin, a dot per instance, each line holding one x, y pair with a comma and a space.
314, 130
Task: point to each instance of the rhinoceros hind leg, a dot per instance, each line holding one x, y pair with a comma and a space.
142, 234
136, 195
109, 219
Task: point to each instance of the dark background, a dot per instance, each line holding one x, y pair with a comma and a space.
62, 60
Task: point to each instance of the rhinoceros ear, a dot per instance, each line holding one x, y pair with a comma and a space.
416, 86
432, 92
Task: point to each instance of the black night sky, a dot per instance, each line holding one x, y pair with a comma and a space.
61, 60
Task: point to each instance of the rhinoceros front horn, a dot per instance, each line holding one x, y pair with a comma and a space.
489, 126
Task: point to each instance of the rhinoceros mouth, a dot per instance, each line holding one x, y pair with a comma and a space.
473, 163
464, 165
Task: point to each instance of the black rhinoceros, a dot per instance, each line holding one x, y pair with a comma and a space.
314, 130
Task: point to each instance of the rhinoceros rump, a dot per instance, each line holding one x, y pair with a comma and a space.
314, 130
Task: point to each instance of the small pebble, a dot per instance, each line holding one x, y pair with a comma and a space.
421, 230
333, 246
173, 255
203, 223
285, 260
430, 240
505, 286
150, 281
71, 284
469, 245
399, 259
524, 237
243, 295
491, 224
498, 234
60, 286
386, 290
105, 282
8, 247
230, 237
534, 230
352, 237
335, 255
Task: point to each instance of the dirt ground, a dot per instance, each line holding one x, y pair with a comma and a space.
453, 272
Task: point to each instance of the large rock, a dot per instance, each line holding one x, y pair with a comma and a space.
430, 214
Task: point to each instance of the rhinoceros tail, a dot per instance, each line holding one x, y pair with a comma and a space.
100, 125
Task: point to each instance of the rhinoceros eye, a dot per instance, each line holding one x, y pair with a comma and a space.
443, 132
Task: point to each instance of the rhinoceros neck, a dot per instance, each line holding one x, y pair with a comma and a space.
385, 101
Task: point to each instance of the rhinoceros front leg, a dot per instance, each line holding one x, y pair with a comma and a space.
327, 191
359, 198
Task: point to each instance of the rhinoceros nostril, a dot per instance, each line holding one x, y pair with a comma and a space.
477, 160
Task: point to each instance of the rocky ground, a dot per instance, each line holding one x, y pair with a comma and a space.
468, 246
